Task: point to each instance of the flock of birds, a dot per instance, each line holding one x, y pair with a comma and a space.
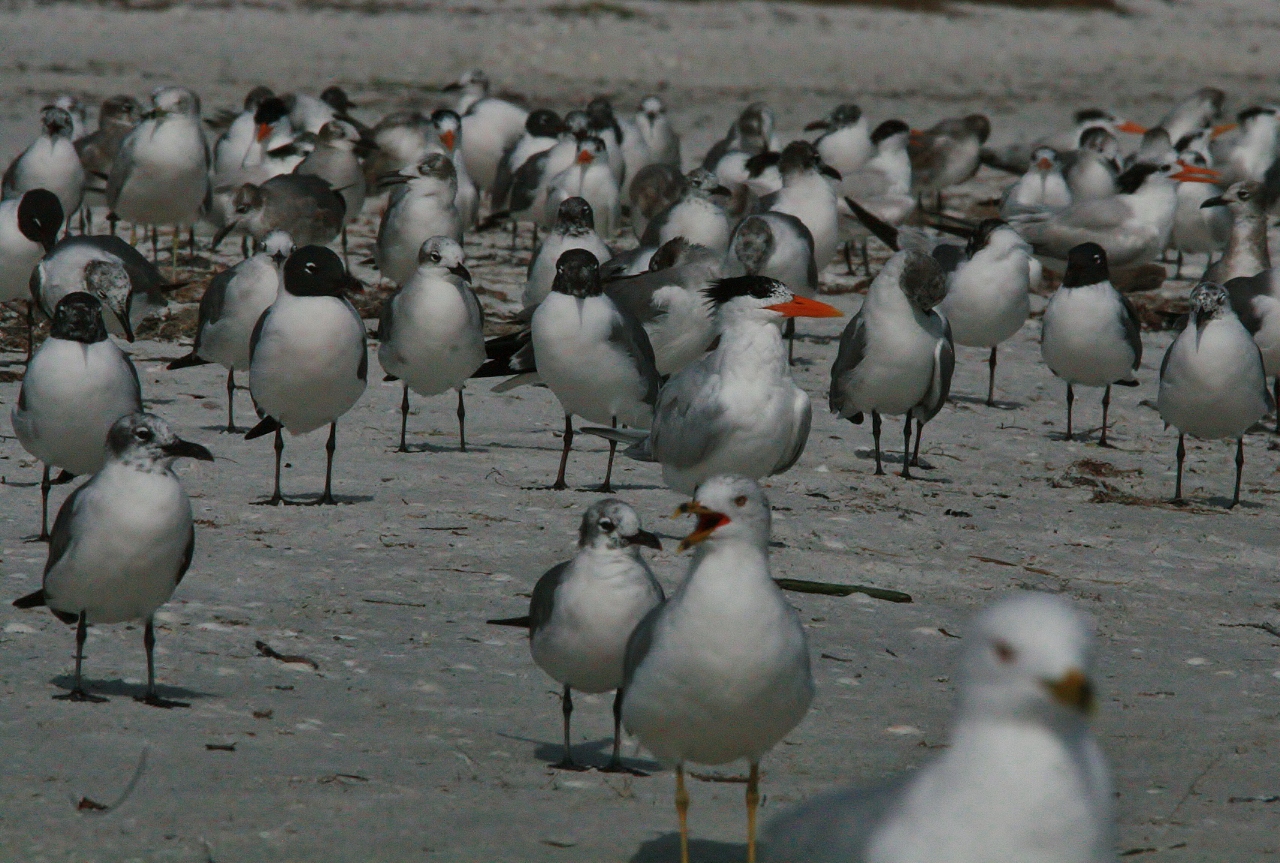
679, 348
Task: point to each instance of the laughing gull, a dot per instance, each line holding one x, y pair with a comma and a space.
308, 362
29, 228
720, 671
595, 357
882, 187
303, 206
670, 301
1133, 226
532, 180
449, 130
590, 178
988, 297
71, 103
655, 129
66, 268
1090, 334
1022, 777
421, 206
1246, 253
161, 173
229, 310
1093, 169
122, 542
1212, 381
736, 409
807, 194
845, 143
489, 126
432, 330
575, 228
947, 154
694, 216
896, 354
542, 129
1042, 187
584, 609
50, 163
76, 386
602, 123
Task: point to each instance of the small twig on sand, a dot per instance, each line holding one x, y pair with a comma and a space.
1265, 627
270, 652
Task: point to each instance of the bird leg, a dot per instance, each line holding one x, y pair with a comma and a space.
149, 644
559, 484
753, 804
535, 236
462, 423
866, 259
848, 258
155, 245
346, 261
906, 447
177, 239
915, 455
615, 760
231, 401
1239, 470
682, 813
875, 434
790, 332
276, 496
1071, 397
330, 447
1178, 273
1106, 405
1276, 398
112, 221
31, 330
191, 244
1182, 456
45, 485
991, 377
566, 709
404, 418
78, 692
606, 487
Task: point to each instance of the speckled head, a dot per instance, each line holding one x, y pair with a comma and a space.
611, 523
147, 442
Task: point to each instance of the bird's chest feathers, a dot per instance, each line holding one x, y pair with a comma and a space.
570, 329
753, 370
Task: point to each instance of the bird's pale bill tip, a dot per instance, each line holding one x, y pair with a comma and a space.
708, 521
1131, 128
648, 540
803, 307
1219, 131
1073, 690
1196, 174
186, 449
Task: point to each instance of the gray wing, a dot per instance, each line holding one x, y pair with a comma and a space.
137, 384
853, 348
944, 365
1132, 329
363, 371
1243, 291
634, 294
835, 827
639, 643
1164, 363
212, 303
629, 336
804, 419
654, 228
544, 596
187, 553
60, 537
122, 166
687, 419
257, 333
386, 319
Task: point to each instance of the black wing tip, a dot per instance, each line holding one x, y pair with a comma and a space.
265, 426
190, 360
31, 600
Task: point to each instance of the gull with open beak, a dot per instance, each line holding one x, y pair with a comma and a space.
1212, 380
1021, 779
736, 410
583, 610
720, 671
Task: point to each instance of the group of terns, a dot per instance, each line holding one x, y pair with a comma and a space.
679, 347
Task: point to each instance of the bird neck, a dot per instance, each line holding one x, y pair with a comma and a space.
1247, 253
750, 345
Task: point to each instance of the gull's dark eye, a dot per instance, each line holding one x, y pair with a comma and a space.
607, 525
1004, 652
143, 434
1243, 194
740, 500
435, 256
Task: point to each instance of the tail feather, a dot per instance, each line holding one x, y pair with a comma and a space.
266, 426
882, 230
637, 440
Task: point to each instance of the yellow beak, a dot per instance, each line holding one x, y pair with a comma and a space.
1073, 690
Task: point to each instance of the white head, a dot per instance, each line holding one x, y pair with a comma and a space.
174, 100
443, 253
729, 509
652, 107
277, 244
760, 298
1028, 658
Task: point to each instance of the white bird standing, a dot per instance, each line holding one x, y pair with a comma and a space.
720, 671
432, 330
1021, 779
695, 216
122, 542
307, 359
1212, 381
660, 139
807, 194
988, 297
76, 386
421, 206
1090, 334
583, 611
896, 354
1042, 187
845, 143
575, 228
230, 309
50, 163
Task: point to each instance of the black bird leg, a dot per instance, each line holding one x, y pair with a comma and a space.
915, 455
329, 449
276, 496
45, 485
462, 422
78, 692
1106, 405
566, 708
606, 487
231, 401
1239, 470
559, 484
906, 447
1182, 456
875, 434
404, 418
1071, 397
991, 377
151, 698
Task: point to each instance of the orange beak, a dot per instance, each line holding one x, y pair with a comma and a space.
1131, 128
803, 307
708, 521
1219, 131
1074, 691
1044, 164
1195, 174
585, 157
263, 131
447, 137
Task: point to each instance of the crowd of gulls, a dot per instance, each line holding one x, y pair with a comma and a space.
678, 347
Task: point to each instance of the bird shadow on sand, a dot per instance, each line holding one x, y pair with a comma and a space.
667, 848
590, 754
424, 447
889, 458
120, 689
314, 500
981, 401
1223, 502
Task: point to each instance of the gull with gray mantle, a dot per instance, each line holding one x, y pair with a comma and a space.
1021, 779
308, 364
575, 228
583, 611
76, 386
122, 542
896, 355
720, 671
421, 206
736, 410
1090, 334
51, 162
1212, 380
230, 309
432, 330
